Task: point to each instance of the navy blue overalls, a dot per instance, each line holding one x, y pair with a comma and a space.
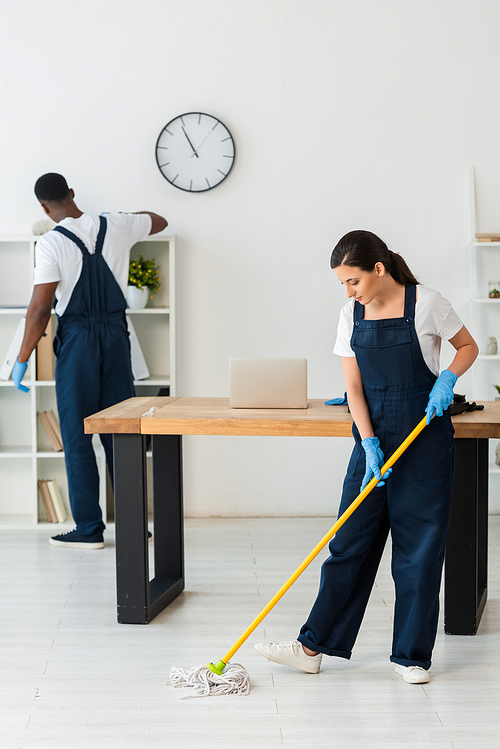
414, 503
93, 372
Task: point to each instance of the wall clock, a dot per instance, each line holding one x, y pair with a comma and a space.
195, 152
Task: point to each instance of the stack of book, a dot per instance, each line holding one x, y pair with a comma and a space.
51, 429
45, 355
488, 237
52, 500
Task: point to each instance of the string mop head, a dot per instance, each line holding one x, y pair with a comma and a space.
212, 680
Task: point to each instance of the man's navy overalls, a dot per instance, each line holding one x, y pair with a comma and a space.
93, 372
414, 503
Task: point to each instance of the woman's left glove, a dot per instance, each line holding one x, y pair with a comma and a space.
441, 395
374, 459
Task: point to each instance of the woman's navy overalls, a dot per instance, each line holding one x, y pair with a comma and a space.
93, 372
414, 503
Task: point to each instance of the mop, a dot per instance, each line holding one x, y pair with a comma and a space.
223, 677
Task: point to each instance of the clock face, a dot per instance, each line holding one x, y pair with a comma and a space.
195, 152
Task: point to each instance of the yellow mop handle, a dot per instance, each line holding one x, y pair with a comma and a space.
314, 553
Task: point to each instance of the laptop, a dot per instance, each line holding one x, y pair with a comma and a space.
268, 383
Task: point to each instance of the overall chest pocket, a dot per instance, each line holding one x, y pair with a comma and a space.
384, 353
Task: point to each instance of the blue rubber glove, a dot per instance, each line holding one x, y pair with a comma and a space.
374, 459
17, 375
337, 401
441, 395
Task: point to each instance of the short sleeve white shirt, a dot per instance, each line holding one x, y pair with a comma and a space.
435, 320
58, 258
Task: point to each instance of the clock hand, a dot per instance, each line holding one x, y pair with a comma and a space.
190, 143
202, 142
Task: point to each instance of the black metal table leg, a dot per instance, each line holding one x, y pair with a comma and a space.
139, 600
467, 544
131, 523
168, 519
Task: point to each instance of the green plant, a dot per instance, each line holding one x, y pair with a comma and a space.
143, 272
497, 388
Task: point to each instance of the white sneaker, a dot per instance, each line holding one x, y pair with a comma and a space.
412, 674
290, 654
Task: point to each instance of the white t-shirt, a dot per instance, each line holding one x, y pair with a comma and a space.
435, 320
58, 258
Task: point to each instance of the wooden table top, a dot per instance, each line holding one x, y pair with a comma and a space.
177, 415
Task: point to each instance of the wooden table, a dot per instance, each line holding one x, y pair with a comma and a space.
167, 419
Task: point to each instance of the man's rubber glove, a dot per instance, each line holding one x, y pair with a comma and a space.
441, 394
374, 459
17, 375
337, 401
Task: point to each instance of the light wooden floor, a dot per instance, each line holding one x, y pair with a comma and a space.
72, 678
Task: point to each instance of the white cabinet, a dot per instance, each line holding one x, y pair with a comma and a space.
25, 452
485, 316
485, 306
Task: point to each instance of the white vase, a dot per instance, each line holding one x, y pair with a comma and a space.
492, 346
137, 298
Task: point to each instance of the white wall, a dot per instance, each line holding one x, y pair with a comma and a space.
345, 115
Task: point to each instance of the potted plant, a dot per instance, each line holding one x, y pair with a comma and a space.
143, 281
497, 388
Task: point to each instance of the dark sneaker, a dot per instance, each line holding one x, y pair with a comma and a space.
75, 540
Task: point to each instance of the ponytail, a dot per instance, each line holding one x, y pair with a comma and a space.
400, 271
362, 249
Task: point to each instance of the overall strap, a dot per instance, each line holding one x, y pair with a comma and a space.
69, 234
359, 311
103, 225
410, 299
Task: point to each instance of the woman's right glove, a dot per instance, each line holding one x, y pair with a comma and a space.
374, 460
337, 401
441, 395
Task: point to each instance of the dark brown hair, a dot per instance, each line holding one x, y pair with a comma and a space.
362, 249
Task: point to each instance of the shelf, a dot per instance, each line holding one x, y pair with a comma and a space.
128, 311
159, 238
99, 451
23, 451
15, 451
13, 310
489, 356
160, 380
10, 384
493, 468
485, 300
20, 237
486, 244
35, 237
148, 311
22, 522
29, 383
16, 522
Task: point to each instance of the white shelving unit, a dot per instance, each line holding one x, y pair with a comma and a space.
485, 313
25, 452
